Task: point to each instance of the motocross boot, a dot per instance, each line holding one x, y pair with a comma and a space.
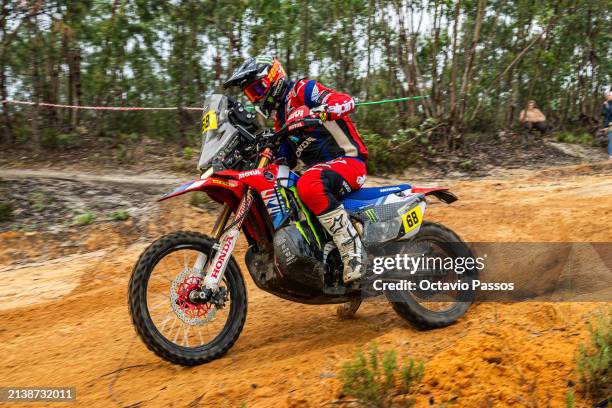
339, 226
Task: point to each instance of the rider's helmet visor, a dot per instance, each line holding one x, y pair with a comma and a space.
256, 90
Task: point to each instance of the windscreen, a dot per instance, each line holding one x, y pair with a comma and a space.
217, 131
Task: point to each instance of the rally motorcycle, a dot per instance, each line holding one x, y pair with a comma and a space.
187, 295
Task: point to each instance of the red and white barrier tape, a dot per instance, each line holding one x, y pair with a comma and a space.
111, 108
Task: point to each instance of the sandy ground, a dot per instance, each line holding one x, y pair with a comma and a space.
64, 319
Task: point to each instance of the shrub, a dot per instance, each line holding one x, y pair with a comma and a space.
374, 379
120, 215
130, 138
188, 153
594, 363
410, 375
576, 138
121, 153
54, 139
83, 219
38, 201
569, 399
6, 210
199, 199
467, 165
390, 154
180, 164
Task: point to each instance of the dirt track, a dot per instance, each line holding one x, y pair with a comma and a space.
65, 322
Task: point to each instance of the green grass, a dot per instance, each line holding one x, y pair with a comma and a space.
83, 219
375, 377
594, 362
120, 215
6, 210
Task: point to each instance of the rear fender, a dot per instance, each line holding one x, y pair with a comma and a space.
441, 193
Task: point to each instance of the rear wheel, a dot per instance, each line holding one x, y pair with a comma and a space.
429, 309
172, 324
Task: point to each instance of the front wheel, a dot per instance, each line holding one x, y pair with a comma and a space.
430, 309
173, 326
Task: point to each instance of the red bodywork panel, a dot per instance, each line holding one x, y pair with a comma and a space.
228, 187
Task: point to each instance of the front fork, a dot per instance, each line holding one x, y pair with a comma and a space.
227, 238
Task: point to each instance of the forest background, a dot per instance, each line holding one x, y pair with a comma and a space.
477, 61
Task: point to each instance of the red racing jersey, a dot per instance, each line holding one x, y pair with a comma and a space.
336, 137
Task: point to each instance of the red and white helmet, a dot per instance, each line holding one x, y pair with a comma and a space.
262, 80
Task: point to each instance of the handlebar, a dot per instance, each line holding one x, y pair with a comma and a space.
312, 122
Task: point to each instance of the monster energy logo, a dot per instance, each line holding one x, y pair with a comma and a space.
371, 214
263, 59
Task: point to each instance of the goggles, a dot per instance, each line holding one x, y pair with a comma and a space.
256, 90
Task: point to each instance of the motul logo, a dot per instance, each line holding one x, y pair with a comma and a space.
249, 173
222, 255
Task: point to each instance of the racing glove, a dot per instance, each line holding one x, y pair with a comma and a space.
296, 119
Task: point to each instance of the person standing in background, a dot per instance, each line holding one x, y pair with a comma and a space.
606, 112
532, 117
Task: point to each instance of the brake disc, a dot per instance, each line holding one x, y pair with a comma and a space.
195, 314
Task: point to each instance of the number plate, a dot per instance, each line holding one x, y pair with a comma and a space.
209, 121
412, 219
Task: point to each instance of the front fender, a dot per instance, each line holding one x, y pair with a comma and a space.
257, 225
208, 183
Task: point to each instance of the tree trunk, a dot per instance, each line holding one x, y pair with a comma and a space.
434, 97
36, 88
7, 126
371, 12
469, 60
305, 69
454, 64
76, 83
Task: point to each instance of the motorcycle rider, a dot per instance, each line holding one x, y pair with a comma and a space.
333, 152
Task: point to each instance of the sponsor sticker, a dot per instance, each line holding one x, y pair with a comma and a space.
223, 183
249, 173
209, 121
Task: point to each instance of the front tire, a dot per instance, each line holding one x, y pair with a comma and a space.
410, 309
141, 317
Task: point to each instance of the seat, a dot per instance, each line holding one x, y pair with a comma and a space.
370, 193
368, 196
